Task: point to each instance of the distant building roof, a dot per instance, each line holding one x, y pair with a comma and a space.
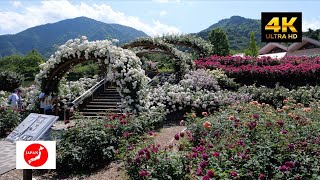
305, 40
267, 48
308, 46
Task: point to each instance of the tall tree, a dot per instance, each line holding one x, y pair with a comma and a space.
27, 65
253, 49
314, 34
219, 40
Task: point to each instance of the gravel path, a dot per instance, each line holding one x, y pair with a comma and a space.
166, 135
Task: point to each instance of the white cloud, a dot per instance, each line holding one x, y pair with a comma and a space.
16, 3
165, 29
163, 13
53, 11
313, 24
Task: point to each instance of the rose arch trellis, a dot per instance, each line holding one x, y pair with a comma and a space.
122, 66
165, 45
199, 45
182, 62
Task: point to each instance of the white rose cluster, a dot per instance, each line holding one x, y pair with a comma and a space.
122, 66
72, 89
177, 97
3, 98
197, 43
29, 97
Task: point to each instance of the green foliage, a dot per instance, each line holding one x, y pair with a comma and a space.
27, 65
164, 62
219, 40
86, 146
253, 49
314, 34
9, 119
88, 69
9, 80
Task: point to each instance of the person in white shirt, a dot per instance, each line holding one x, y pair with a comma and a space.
15, 99
41, 99
47, 104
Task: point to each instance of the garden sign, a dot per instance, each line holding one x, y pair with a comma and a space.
32, 128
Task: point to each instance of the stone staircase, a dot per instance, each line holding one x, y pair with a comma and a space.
104, 103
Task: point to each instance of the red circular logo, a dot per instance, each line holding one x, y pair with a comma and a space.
35, 155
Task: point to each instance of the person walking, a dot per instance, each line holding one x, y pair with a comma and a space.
14, 100
47, 102
41, 99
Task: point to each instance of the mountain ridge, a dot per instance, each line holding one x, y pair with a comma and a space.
238, 30
46, 37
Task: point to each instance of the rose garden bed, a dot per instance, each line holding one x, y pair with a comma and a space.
245, 141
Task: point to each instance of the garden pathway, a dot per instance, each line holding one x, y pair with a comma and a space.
7, 156
165, 136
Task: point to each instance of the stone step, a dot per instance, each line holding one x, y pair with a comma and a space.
101, 106
111, 89
100, 110
109, 93
98, 113
104, 103
107, 97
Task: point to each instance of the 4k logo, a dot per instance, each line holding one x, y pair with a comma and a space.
281, 27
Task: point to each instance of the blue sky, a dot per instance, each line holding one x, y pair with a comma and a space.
154, 17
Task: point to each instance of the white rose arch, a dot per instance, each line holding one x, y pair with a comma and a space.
121, 66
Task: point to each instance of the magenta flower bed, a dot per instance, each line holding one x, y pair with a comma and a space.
247, 70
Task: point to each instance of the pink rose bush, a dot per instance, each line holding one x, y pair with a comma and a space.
265, 70
245, 141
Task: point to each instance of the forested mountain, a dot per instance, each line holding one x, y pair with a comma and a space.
45, 38
238, 31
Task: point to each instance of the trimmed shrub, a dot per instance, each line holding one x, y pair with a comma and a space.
9, 119
87, 145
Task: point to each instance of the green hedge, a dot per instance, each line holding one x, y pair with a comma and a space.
9, 80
